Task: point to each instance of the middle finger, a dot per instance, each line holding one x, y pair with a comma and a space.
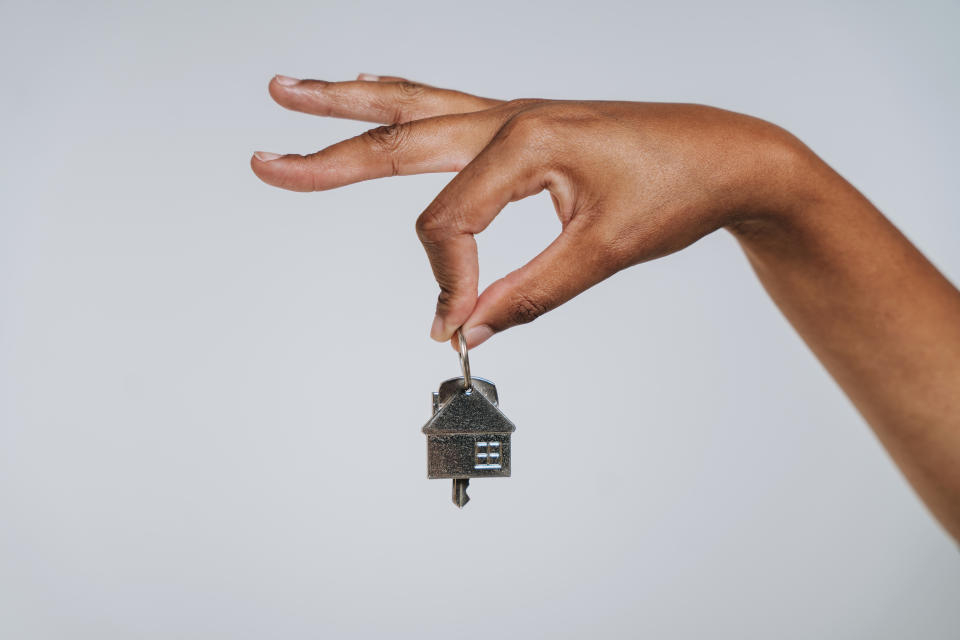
385, 102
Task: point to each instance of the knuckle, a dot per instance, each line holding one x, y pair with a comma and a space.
524, 308
445, 299
407, 94
524, 125
410, 90
531, 129
431, 225
543, 121
388, 139
520, 103
439, 222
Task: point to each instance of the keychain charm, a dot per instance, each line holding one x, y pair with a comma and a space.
468, 436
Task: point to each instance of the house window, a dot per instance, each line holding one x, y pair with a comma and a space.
487, 455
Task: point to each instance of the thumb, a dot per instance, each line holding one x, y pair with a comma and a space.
570, 265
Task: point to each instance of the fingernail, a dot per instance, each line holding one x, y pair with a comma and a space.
436, 331
266, 156
369, 77
286, 81
477, 335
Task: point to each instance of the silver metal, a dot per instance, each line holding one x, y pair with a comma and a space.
468, 436
464, 360
460, 496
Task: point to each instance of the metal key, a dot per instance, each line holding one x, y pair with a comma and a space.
468, 436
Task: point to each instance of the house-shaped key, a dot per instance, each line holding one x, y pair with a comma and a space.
468, 436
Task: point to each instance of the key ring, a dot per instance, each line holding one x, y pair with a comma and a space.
464, 361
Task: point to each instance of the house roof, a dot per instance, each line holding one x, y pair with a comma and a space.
468, 411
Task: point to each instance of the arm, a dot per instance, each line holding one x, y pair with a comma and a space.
635, 181
883, 321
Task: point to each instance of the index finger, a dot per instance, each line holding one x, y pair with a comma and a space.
439, 144
500, 174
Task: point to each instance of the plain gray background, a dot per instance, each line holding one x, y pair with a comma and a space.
211, 390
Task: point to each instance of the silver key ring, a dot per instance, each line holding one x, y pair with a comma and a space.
464, 361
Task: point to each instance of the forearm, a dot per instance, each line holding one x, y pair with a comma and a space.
883, 321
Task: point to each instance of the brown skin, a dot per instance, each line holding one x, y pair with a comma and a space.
634, 181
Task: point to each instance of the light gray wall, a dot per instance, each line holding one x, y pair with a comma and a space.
211, 390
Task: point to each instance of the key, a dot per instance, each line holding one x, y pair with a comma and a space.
467, 436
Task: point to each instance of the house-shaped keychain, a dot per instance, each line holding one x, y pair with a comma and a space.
468, 436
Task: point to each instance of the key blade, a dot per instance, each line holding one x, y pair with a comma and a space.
460, 496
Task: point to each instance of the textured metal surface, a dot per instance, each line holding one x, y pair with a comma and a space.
456, 456
468, 436
453, 386
468, 410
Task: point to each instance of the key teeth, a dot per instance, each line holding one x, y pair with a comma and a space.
460, 497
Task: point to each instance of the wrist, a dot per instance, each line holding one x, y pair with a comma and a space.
791, 191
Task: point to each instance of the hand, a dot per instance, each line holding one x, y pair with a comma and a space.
630, 181
633, 181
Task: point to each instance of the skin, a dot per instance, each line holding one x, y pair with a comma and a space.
633, 181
